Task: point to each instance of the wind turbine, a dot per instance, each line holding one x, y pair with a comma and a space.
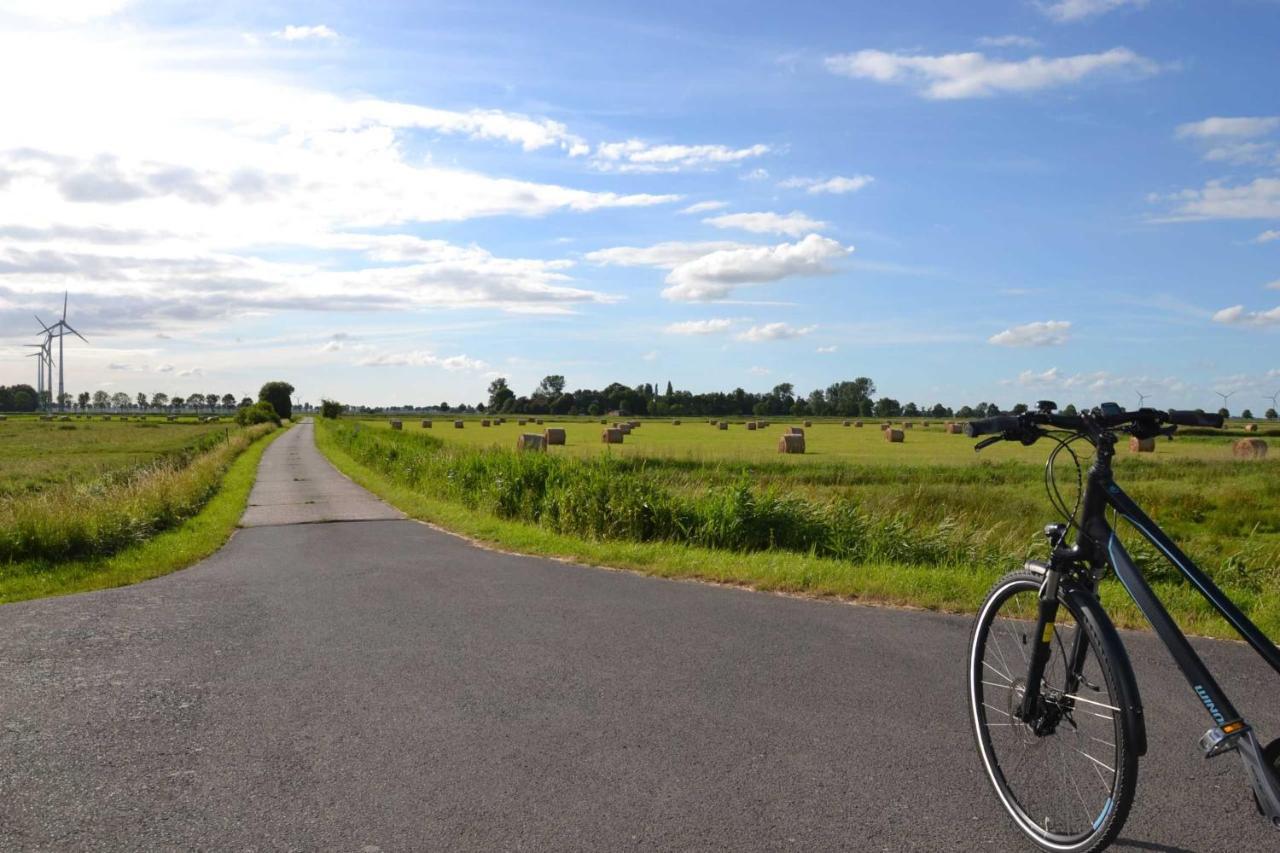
1225, 397
1272, 398
63, 327
39, 353
1142, 398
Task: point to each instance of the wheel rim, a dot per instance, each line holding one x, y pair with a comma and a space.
1060, 786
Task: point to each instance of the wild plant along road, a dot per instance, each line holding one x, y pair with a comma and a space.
338, 677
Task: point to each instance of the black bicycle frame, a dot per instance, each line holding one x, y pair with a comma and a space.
1102, 491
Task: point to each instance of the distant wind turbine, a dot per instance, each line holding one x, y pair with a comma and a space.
63, 327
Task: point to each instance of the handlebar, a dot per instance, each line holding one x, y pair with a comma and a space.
1026, 427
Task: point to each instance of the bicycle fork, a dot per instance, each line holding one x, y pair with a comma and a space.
1030, 709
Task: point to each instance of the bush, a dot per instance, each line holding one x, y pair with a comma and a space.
261, 412
330, 409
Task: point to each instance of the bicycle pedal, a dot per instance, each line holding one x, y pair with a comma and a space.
1215, 741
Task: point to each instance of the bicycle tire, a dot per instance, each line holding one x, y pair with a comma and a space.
1109, 659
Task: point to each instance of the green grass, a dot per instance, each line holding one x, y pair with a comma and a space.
36, 455
190, 541
933, 532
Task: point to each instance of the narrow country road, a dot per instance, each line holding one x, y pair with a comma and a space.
339, 678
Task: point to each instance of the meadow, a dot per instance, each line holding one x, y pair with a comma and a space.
87, 490
926, 522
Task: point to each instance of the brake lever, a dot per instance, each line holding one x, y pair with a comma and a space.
987, 442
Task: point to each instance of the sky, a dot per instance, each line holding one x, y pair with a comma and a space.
394, 202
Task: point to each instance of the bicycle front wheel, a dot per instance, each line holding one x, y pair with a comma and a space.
1067, 775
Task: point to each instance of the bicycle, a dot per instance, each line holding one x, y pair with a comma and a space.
1055, 707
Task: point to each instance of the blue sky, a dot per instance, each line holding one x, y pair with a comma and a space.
396, 202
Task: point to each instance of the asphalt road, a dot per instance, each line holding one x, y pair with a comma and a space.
378, 685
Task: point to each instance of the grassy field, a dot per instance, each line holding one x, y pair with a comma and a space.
925, 522
35, 455
81, 498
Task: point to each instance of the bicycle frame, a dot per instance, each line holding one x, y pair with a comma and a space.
1098, 545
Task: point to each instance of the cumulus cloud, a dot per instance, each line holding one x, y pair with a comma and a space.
826, 350
1069, 11
791, 224
700, 327
974, 75
635, 155
704, 207
304, 33
1236, 315
1233, 140
1040, 334
422, 358
1258, 199
663, 255
718, 274
835, 186
1269, 236
774, 332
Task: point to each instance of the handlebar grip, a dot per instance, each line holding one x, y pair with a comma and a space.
991, 426
1195, 419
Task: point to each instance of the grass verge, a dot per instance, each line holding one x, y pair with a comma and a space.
946, 588
190, 541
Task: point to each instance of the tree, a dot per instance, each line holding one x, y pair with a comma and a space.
330, 408
1247, 414
911, 410
1070, 410
887, 407
551, 386
228, 401
277, 394
100, 399
670, 390
500, 393
1271, 414
211, 400
1020, 409
142, 400
1223, 411
83, 399
245, 401
119, 400
159, 400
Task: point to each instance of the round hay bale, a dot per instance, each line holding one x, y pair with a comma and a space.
714, 423
751, 425
522, 421
485, 422
808, 423
603, 421
538, 422
848, 423
613, 435
675, 423
396, 425
955, 429
794, 431
457, 424
1141, 445
530, 441
791, 443
426, 424
625, 429
171, 418
894, 436
1250, 427
553, 435
857, 424
908, 425
4, 418
634, 424
723, 425
1249, 448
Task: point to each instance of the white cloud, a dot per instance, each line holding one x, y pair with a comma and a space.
1067, 11
305, 33
635, 155
791, 224
651, 355
704, 207
1259, 199
1267, 236
826, 350
1008, 41
973, 75
423, 358
663, 255
759, 371
774, 332
1041, 334
716, 275
1236, 315
835, 186
1246, 127
191, 371
700, 327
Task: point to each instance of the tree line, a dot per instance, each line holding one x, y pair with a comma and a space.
24, 398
